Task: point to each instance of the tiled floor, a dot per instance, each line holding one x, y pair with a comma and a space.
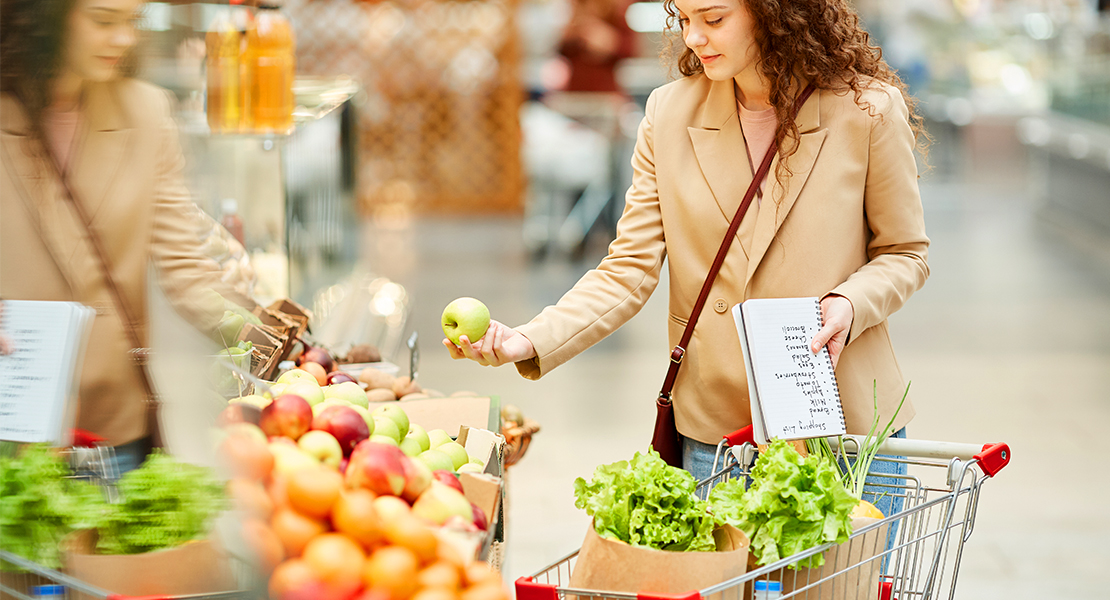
1008, 341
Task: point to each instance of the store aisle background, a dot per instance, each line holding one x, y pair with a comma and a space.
1009, 340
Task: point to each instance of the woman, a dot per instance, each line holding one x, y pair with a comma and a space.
840, 217
71, 118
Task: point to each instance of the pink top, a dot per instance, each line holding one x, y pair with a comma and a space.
61, 129
759, 131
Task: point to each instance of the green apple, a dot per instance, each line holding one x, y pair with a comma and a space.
393, 413
436, 460
465, 316
419, 434
383, 439
411, 447
438, 437
311, 392
456, 452
349, 392
247, 429
296, 375
322, 446
229, 327
276, 389
386, 427
289, 458
477, 461
365, 414
253, 400
471, 468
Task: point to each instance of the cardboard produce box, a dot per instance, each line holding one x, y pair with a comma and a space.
614, 566
449, 414
197, 567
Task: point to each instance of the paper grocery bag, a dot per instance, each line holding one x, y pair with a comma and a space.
197, 567
860, 579
612, 566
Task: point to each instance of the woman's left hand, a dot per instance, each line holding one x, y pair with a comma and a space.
837, 314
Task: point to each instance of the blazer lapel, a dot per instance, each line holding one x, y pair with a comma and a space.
772, 215
721, 152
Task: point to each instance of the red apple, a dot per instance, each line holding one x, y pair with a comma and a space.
339, 377
289, 415
379, 468
318, 356
480, 520
417, 479
343, 464
348, 427
448, 478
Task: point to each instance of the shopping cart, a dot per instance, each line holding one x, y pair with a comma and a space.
939, 497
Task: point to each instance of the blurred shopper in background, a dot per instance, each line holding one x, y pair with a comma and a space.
91, 183
842, 218
595, 39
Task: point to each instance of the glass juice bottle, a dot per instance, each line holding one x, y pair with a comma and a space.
222, 42
270, 63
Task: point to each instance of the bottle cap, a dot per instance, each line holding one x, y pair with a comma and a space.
767, 586
229, 206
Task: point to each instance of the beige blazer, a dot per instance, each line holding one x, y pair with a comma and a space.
127, 171
848, 221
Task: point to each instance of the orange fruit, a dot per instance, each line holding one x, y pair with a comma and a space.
478, 573
247, 457
410, 532
278, 490
491, 589
392, 569
290, 575
296, 530
335, 558
263, 543
435, 594
440, 574
317, 371
354, 515
450, 555
866, 509
313, 492
250, 497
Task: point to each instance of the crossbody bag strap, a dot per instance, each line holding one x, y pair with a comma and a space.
679, 351
139, 354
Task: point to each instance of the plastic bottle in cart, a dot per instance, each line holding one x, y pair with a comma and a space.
767, 590
223, 43
270, 63
231, 220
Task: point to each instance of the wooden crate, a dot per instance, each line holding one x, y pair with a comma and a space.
438, 119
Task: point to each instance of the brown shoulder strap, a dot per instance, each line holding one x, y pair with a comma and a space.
680, 350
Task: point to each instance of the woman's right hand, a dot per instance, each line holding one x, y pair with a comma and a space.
500, 345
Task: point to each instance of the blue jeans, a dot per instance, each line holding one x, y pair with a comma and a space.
697, 458
129, 456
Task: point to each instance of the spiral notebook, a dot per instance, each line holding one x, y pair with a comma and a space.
38, 380
793, 391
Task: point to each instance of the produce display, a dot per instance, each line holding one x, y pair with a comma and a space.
345, 502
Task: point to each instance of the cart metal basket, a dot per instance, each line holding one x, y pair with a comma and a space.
913, 554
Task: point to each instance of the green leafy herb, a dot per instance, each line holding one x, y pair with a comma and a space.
39, 505
646, 502
793, 504
164, 503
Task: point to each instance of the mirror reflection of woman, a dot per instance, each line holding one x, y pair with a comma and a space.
71, 116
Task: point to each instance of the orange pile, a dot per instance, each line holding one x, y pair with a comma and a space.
319, 539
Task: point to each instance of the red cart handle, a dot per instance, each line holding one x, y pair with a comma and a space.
528, 589
738, 437
993, 458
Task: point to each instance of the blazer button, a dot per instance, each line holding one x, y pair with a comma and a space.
720, 305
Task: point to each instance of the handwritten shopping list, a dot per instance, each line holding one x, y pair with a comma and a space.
793, 391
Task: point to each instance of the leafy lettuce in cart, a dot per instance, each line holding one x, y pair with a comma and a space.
793, 504
646, 502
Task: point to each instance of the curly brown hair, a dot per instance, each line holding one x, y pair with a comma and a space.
820, 40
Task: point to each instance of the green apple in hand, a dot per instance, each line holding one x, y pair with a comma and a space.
465, 316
